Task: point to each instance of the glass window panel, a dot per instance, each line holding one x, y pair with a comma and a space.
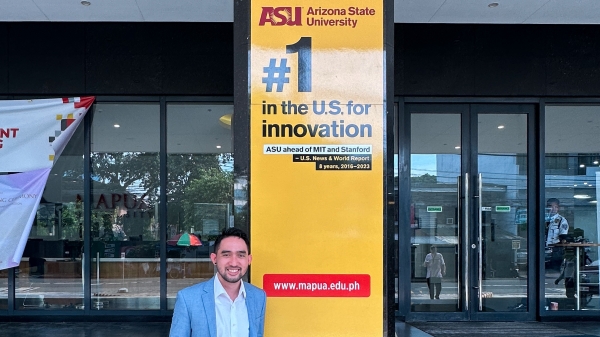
49, 276
435, 165
570, 228
4, 289
125, 194
502, 163
200, 189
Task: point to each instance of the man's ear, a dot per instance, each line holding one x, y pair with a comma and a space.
213, 258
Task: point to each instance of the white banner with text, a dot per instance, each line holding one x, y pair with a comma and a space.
33, 134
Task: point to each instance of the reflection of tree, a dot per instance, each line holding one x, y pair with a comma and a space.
184, 168
213, 185
425, 178
191, 178
138, 170
72, 220
188, 183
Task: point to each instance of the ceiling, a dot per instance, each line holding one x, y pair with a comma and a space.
406, 11
135, 127
570, 129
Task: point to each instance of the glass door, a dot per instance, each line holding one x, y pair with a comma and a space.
469, 205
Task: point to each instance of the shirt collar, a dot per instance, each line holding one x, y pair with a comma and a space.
219, 290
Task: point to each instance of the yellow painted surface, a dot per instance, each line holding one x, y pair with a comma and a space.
309, 221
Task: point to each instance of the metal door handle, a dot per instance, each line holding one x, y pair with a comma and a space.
465, 240
459, 231
480, 240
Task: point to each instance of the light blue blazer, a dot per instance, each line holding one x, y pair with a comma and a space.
195, 315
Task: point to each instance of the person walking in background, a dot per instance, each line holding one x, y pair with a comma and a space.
224, 305
436, 269
557, 228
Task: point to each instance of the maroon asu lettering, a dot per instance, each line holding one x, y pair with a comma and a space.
280, 16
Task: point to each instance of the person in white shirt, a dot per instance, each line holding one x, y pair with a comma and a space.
223, 306
557, 228
436, 269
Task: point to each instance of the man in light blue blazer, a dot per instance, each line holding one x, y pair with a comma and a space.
224, 306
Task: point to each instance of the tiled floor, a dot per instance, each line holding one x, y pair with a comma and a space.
434, 329
79, 329
513, 329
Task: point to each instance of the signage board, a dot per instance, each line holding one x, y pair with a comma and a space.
316, 168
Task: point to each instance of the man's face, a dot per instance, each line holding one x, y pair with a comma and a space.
232, 259
553, 208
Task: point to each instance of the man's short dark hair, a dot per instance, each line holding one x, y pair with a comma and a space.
232, 231
553, 201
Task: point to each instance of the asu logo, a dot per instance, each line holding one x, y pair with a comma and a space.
281, 16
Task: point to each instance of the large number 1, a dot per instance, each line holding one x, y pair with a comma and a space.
303, 48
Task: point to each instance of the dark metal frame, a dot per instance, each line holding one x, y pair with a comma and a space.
468, 111
536, 187
389, 326
548, 315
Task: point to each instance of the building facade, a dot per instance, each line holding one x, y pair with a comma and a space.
490, 121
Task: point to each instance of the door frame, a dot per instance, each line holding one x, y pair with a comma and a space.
468, 110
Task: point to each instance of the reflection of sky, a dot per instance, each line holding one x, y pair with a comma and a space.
423, 163
226, 165
420, 164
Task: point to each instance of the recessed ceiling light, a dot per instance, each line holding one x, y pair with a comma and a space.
117, 126
581, 165
500, 126
595, 162
582, 196
493, 4
457, 147
585, 183
594, 202
218, 146
85, 3
575, 185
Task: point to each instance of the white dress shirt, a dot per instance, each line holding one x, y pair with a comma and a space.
232, 316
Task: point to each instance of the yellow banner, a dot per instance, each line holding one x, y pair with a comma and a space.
316, 195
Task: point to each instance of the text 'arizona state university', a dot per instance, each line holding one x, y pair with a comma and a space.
315, 16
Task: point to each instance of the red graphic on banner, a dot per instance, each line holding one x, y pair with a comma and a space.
80, 102
7, 133
317, 285
281, 16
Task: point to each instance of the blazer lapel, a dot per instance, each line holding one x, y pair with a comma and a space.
250, 306
208, 299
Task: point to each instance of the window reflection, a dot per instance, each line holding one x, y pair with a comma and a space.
49, 276
200, 189
125, 194
4, 289
570, 227
434, 231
